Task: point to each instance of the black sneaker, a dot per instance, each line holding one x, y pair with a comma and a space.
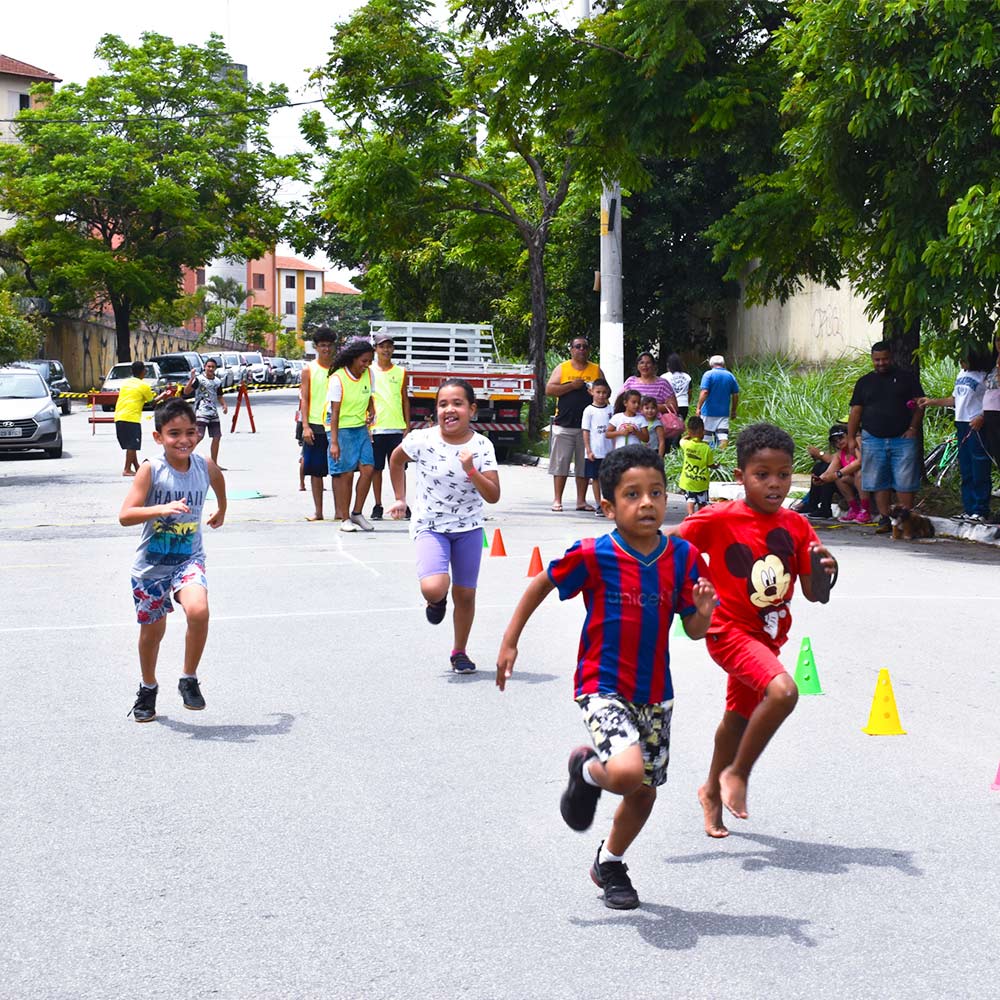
461, 664
884, 526
436, 612
377, 512
144, 709
579, 802
407, 515
191, 693
612, 877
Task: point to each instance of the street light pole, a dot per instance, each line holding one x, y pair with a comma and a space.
612, 344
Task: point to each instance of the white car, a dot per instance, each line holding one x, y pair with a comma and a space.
114, 379
28, 417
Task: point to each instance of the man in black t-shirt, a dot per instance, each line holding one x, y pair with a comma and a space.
883, 408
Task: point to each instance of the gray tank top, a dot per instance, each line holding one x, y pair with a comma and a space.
170, 542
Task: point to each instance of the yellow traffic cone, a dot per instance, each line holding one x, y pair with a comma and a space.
884, 717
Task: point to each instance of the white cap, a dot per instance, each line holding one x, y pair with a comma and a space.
716, 359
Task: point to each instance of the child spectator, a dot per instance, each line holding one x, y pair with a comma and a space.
698, 459
626, 425
681, 383
132, 397
456, 470
633, 581
207, 390
351, 410
312, 406
756, 548
843, 473
166, 498
595, 442
650, 410
392, 412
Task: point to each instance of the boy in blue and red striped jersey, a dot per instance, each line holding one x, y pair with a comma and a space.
633, 581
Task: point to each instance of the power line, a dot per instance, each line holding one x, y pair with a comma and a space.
158, 118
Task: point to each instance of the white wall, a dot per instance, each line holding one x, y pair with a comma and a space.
817, 324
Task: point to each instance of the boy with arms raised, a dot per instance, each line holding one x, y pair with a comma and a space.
167, 497
633, 581
756, 548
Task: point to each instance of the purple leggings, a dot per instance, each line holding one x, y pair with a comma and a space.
462, 551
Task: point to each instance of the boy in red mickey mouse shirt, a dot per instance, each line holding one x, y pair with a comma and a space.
756, 549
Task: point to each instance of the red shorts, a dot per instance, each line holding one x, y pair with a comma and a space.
751, 665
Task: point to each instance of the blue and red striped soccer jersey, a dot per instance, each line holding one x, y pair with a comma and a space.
631, 599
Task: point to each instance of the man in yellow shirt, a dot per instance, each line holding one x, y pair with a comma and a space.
132, 397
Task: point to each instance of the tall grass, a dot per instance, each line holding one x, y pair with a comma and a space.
806, 400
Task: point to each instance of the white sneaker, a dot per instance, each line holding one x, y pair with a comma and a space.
974, 519
348, 526
360, 521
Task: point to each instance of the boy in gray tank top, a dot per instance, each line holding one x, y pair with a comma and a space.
167, 497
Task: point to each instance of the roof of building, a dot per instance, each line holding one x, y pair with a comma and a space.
336, 288
294, 264
14, 67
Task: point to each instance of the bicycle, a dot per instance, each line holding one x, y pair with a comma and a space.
942, 460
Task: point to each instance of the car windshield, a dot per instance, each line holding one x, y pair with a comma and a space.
120, 371
254, 359
28, 385
171, 366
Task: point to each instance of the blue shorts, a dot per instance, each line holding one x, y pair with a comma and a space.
355, 450
592, 468
314, 457
152, 596
461, 552
889, 464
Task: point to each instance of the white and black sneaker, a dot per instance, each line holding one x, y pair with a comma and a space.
362, 522
144, 709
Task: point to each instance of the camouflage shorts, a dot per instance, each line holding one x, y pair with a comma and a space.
616, 724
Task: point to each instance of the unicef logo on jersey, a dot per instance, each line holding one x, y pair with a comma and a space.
642, 600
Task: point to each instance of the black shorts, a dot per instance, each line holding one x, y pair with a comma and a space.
314, 456
212, 427
383, 445
129, 434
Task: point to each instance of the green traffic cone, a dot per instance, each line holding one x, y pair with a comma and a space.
679, 632
486, 541
806, 675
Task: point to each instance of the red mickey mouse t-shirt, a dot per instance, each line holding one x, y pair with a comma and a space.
753, 561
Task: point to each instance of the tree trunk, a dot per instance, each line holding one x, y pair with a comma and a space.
123, 339
537, 335
904, 341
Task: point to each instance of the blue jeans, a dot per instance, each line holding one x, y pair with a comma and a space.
975, 467
889, 464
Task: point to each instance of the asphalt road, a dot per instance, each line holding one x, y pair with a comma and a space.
349, 819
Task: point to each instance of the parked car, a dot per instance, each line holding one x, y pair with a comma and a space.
29, 419
255, 365
55, 377
153, 378
233, 361
178, 367
279, 371
228, 374
296, 373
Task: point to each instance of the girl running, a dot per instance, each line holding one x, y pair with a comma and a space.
456, 470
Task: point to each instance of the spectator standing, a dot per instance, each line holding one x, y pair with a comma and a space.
392, 412
884, 410
596, 418
989, 424
648, 383
570, 384
312, 406
680, 382
132, 397
718, 400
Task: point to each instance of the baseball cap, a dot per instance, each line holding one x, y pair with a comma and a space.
716, 359
381, 338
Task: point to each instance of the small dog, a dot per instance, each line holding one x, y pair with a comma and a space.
908, 524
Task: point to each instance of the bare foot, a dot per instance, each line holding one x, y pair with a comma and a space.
129, 473
315, 517
302, 488
733, 790
712, 808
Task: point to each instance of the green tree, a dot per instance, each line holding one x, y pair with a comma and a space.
255, 325
434, 124
347, 315
160, 163
20, 336
890, 136
227, 295
288, 345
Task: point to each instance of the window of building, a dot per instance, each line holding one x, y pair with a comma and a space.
199, 276
258, 281
289, 308
23, 102
310, 282
289, 281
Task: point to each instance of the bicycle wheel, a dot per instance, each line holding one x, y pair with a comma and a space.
941, 461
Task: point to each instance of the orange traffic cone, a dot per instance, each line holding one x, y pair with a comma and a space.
498, 549
535, 566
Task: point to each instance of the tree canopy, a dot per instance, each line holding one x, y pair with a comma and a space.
162, 162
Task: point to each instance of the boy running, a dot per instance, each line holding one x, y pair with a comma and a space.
166, 498
633, 581
207, 391
756, 548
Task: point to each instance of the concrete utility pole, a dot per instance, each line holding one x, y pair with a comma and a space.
612, 343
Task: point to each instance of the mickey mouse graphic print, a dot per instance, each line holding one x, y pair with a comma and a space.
444, 498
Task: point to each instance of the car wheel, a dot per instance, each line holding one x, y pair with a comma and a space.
107, 409
66, 405
54, 452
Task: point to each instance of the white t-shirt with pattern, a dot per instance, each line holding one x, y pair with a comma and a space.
444, 497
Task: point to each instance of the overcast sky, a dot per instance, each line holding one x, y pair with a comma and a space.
279, 43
